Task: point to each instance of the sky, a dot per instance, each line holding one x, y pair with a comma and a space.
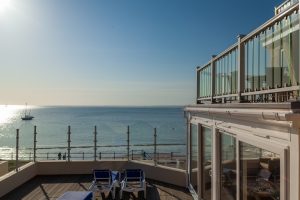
115, 52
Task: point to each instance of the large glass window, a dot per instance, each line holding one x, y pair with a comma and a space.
228, 167
206, 163
259, 173
194, 156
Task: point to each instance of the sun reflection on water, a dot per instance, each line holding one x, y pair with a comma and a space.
9, 112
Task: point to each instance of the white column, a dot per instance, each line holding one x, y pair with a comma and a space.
293, 167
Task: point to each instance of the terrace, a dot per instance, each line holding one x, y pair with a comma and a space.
50, 179
40, 173
51, 187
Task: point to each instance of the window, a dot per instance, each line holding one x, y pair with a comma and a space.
194, 156
206, 163
259, 173
228, 167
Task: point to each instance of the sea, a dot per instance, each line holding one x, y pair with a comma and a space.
112, 124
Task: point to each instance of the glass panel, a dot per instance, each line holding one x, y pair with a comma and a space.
260, 173
209, 80
226, 74
216, 77
219, 77
250, 65
269, 51
229, 74
285, 52
256, 63
206, 163
222, 76
276, 55
233, 72
199, 83
262, 60
194, 156
228, 167
204, 83
246, 65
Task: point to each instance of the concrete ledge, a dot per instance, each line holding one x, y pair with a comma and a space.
161, 173
76, 167
3, 168
14, 179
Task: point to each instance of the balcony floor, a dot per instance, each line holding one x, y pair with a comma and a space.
51, 187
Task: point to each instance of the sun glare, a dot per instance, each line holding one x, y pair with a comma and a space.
5, 5
8, 112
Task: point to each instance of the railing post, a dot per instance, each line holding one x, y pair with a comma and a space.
128, 143
99, 155
131, 154
29, 156
95, 143
34, 144
17, 151
69, 142
155, 144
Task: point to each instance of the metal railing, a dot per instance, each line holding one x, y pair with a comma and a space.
144, 152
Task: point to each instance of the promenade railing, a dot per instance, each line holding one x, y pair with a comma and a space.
128, 148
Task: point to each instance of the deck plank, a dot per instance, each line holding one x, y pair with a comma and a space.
51, 187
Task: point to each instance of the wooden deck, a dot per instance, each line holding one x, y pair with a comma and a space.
51, 187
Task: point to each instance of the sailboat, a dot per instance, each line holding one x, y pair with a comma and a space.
27, 116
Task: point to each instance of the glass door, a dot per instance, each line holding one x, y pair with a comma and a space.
259, 173
194, 157
206, 157
228, 167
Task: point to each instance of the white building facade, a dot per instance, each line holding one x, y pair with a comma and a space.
243, 133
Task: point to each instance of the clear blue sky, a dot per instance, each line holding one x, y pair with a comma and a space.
109, 52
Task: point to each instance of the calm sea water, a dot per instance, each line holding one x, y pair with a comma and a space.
52, 125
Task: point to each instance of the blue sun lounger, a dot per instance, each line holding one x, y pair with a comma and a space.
104, 181
133, 180
76, 195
